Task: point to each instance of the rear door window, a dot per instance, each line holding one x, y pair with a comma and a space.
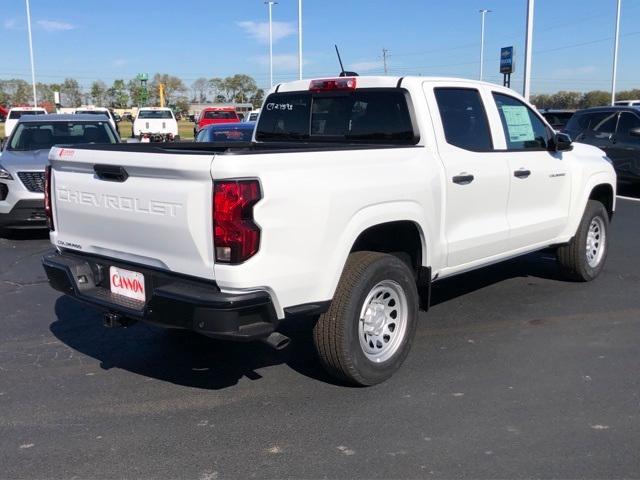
604, 122
464, 119
628, 121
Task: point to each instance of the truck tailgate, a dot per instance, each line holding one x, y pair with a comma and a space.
155, 212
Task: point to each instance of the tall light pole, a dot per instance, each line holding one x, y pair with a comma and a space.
271, 4
299, 39
33, 68
528, 45
615, 54
483, 12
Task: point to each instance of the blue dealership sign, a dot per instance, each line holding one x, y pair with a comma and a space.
507, 61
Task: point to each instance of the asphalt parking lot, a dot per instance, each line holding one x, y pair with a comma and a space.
514, 373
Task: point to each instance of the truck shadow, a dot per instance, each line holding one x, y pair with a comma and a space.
538, 264
180, 357
197, 361
25, 234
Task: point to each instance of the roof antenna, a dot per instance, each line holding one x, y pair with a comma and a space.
344, 73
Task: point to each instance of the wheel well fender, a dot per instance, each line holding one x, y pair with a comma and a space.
598, 187
366, 229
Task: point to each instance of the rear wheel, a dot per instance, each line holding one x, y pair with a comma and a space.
583, 258
366, 334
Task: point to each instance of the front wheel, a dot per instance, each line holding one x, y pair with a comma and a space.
583, 258
367, 332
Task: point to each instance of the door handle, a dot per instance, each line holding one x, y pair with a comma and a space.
463, 179
522, 173
110, 173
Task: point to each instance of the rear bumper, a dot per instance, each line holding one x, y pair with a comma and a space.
25, 214
173, 301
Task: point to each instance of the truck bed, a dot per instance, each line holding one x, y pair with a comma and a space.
234, 148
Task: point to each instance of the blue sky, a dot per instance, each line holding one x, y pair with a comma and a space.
97, 39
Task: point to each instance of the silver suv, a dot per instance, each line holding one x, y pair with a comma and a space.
24, 156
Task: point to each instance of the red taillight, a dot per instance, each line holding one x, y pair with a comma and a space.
47, 197
344, 83
236, 237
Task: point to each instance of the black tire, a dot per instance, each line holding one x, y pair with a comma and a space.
336, 334
573, 256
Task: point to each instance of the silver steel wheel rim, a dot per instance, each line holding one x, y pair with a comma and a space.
383, 321
596, 242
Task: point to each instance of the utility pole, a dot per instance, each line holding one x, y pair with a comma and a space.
483, 12
271, 4
161, 94
299, 39
526, 86
615, 54
385, 54
33, 68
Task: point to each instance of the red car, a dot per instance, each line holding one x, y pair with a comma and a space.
214, 115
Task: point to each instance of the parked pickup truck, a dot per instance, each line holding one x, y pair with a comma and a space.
155, 124
356, 194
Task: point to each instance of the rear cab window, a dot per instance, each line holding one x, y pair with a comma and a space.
220, 115
367, 115
16, 114
155, 114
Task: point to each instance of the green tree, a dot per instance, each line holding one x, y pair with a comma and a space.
70, 93
633, 94
258, 98
117, 95
98, 93
216, 85
182, 105
595, 98
44, 92
200, 90
173, 88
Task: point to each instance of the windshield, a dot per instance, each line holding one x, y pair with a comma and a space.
220, 115
225, 135
15, 114
154, 114
36, 136
366, 115
92, 112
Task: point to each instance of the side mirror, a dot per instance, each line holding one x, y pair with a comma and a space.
635, 132
562, 142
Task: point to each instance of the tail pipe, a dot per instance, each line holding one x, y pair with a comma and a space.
276, 340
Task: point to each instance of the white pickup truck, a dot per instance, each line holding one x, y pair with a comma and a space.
356, 194
155, 124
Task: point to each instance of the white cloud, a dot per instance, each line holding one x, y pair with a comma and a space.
260, 30
10, 23
286, 61
366, 66
119, 62
575, 72
54, 26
